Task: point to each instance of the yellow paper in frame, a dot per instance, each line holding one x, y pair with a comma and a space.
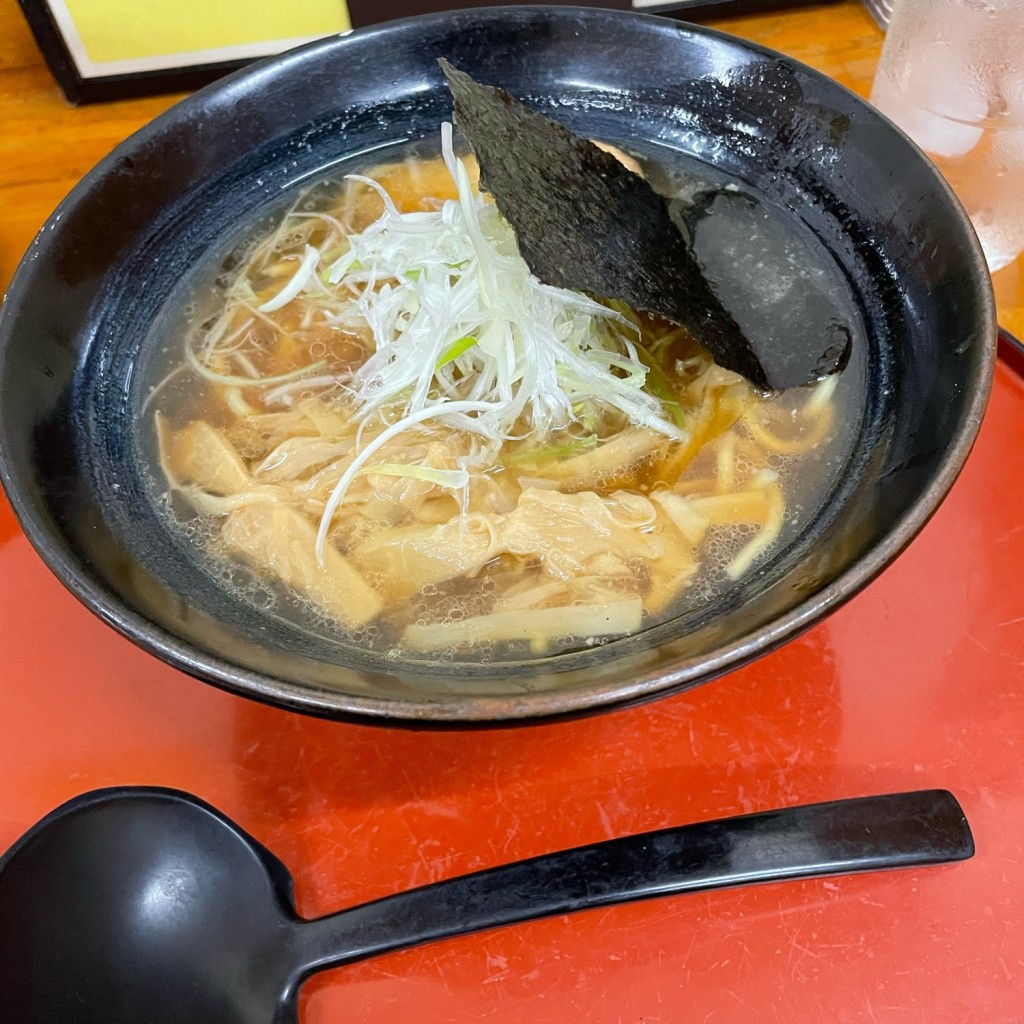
114, 37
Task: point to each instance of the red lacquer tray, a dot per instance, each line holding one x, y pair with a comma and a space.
917, 683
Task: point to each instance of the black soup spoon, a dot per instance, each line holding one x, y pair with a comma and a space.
148, 906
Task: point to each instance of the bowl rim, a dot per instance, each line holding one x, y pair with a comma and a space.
529, 707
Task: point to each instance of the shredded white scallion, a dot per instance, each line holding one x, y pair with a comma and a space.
463, 332
457, 273
298, 281
451, 479
443, 409
236, 380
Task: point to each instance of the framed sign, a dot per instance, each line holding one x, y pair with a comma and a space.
112, 49
109, 49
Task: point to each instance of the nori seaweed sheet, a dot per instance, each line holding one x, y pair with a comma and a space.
586, 223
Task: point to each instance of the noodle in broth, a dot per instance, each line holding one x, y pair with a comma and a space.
480, 507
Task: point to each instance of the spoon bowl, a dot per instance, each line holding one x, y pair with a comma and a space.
140, 904
145, 890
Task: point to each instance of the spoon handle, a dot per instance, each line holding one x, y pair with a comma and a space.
862, 834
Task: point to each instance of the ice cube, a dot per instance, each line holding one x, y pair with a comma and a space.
934, 133
1001, 237
928, 81
999, 221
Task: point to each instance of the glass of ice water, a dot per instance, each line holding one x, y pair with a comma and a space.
951, 76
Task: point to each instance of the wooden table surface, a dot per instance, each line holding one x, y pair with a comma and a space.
46, 145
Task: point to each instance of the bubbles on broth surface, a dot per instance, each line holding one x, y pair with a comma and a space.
804, 477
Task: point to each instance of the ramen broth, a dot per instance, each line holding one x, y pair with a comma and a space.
449, 537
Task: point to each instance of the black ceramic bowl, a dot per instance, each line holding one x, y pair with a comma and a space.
78, 310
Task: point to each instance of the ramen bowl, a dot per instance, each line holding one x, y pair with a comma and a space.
76, 328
